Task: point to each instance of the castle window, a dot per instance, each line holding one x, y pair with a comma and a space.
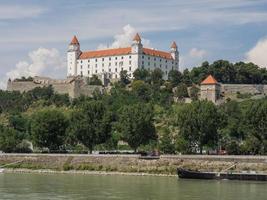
122, 69
109, 64
103, 59
109, 58
102, 64
109, 70
81, 73
130, 57
88, 72
172, 62
122, 57
143, 57
115, 58
102, 70
95, 65
81, 61
148, 63
166, 61
116, 76
166, 72
155, 59
130, 62
88, 66
96, 71
116, 63
81, 67
88, 60
159, 60
148, 58
154, 64
166, 66
130, 69
160, 65
176, 63
115, 69
96, 59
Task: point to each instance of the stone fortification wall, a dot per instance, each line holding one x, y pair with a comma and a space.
243, 88
72, 86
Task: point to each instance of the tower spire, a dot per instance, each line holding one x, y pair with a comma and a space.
137, 38
74, 40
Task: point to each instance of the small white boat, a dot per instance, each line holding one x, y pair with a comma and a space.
1, 170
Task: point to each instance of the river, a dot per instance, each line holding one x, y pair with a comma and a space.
100, 187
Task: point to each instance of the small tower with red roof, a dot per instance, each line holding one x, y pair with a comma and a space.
72, 56
137, 46
210, 89
175, 53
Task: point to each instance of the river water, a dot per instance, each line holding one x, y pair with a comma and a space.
71, 186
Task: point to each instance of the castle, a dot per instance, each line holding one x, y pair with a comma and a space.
110, 62
107, 65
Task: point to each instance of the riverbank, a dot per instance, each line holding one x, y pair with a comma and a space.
127, 164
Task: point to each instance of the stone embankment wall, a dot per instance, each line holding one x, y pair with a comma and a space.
132, 163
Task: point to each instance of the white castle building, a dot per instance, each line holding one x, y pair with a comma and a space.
111, 61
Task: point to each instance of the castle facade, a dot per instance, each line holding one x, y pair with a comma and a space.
110, 62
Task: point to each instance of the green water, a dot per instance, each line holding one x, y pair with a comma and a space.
65, 186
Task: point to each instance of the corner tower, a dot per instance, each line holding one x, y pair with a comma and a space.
210, 89
137, 47
175, 53
72, 56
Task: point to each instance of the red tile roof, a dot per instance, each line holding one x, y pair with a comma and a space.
106, 52
137, 38
123, 51
210, 80
161, 54
174, 45
74, 40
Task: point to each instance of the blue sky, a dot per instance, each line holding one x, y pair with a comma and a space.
34, 34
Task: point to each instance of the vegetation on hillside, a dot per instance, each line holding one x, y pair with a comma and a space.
140, 113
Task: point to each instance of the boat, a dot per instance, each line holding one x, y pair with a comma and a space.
246, 176
1, 170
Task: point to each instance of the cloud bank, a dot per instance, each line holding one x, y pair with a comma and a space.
258, 54
41, 62
124, 39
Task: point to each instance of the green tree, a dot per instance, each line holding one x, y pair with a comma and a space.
175, 77
9, 139
194, 91
94, 80
198, 124
141, 74
256, 121
157, 76
142, 90
91, 124
48, 128
166, 143
124, 77
181, 91
135, 123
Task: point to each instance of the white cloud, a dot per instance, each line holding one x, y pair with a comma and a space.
19, 11
197, 53
41, 62
258, 54
193, 58
124, 39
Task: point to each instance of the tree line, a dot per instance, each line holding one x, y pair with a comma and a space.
140, 113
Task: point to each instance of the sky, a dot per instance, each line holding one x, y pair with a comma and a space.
34, 34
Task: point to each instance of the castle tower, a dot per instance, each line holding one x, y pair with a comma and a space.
137, 47
174, 52
72, 56
210, 89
